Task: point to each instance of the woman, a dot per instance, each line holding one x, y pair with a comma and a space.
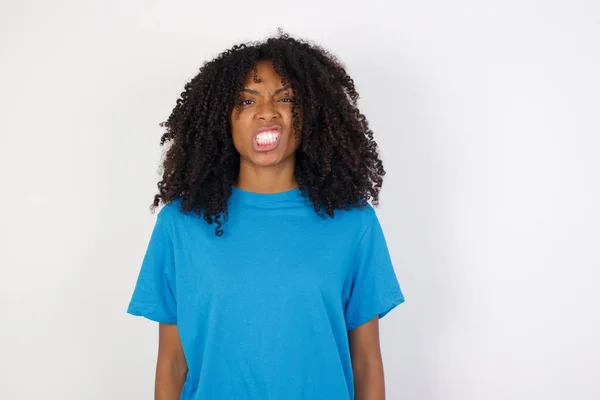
267, 268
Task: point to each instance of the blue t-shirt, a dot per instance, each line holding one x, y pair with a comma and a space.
263, 312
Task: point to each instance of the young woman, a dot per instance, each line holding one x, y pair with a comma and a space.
267, 268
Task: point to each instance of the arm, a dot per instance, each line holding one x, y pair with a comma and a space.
171, 367
367, 364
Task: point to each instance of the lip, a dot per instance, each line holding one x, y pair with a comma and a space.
266, 129
270, 146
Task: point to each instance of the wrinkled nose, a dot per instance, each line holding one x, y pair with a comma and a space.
266, 111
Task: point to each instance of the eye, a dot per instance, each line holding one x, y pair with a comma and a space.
287, 100
245, 102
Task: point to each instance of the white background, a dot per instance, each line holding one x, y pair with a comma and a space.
487, 115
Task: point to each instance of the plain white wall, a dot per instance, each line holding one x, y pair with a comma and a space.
487, 114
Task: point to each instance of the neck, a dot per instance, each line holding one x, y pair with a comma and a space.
273, 179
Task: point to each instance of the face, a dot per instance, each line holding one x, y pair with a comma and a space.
262, 124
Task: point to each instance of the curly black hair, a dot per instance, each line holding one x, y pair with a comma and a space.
337, 162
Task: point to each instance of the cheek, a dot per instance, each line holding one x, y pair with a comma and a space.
237, 132
297, 133
238, 121
288, 118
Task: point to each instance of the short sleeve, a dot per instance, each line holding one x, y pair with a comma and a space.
374, 287
153, 296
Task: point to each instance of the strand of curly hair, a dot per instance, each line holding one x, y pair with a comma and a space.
337, 163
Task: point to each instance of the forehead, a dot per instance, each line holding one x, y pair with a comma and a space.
263, 74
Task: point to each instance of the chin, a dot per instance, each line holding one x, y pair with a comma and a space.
266, 160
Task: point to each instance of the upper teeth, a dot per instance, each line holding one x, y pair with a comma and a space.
266, 137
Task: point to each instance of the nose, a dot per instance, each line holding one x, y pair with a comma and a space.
266, 111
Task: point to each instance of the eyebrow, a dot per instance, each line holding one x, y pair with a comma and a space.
256, 92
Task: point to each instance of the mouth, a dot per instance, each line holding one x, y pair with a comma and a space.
267, 138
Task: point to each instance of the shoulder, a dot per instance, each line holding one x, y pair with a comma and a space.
183, 224
359, 218
171, 213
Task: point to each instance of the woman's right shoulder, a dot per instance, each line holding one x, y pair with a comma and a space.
176, 220
171, 211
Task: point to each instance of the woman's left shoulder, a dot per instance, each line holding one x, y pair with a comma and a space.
358, 217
